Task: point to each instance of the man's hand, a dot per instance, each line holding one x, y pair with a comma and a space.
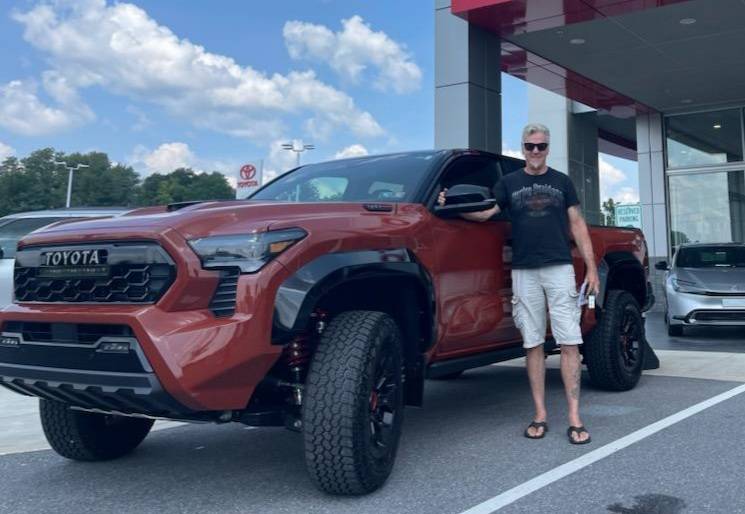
441, 197
593, 281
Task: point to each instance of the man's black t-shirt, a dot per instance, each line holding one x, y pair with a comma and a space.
538, 209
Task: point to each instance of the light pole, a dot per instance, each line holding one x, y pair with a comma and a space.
297, 147
70, 169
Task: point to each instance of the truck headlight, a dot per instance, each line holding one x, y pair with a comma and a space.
249, 252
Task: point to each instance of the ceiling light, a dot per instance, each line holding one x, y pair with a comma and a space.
577, 41
686, 101
688, 21
717, 126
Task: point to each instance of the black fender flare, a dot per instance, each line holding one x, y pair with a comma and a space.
610, 264
298, 295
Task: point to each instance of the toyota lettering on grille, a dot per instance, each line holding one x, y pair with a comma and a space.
74, 258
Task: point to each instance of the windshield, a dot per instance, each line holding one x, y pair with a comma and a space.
387, 178
11, 231
711, 257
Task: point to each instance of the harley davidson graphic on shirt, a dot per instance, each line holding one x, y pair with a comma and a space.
537, 206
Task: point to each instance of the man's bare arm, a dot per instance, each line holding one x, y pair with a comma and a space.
480, 215
581, 236
471, 216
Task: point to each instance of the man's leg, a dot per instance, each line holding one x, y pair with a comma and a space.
529, 311
571, 374
565, 314
536, 364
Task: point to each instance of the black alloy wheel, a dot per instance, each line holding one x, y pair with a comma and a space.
384, 406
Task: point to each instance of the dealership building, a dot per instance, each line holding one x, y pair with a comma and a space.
660, 82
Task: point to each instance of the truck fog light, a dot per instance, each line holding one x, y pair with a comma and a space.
12, 342
114, 347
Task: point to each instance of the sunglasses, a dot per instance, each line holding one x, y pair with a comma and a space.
532, 146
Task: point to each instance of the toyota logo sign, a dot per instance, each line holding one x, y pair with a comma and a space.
248, 171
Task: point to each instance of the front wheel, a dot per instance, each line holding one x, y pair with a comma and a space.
615, 351
88, 436
353, 406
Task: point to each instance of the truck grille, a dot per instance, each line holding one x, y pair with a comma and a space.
133, 273
717, 316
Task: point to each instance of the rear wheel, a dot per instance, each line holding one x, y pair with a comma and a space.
615, 351
87, 436
353, 406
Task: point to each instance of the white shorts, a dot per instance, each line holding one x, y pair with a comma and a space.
532, 289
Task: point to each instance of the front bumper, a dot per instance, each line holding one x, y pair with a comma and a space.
697, 309
192, 361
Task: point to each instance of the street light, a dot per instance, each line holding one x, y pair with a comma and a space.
70, 169
297, 148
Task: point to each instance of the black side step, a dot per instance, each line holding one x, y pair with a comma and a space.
449, 366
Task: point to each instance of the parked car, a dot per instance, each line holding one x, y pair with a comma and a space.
13, 227
320, 304
705, 285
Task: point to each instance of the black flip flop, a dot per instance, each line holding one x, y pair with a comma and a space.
578, 431
537, 425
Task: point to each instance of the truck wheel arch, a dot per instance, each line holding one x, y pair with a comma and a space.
621, 270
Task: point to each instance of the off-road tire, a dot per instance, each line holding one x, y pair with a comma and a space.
340, 454
604, 354
88, 436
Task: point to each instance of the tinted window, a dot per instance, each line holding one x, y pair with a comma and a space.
704, 139
11, 231
711, 257
390, 178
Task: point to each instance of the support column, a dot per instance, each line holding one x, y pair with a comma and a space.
467, 84
574, 144
651, 160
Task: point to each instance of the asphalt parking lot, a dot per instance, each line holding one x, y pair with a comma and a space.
671, 445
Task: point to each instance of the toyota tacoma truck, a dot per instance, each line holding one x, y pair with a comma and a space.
322, 304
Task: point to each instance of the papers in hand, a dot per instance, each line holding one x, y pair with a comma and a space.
582, 298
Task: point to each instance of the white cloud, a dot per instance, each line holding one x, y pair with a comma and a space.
355, 150
354, 49
613, 183
22, 112
6, 151
511, 153
120, 48
164, 159
279, 160
626, 194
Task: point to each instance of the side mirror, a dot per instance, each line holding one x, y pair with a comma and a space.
466, 198
662, 265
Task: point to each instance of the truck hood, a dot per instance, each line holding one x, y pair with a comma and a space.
715, 280
199, 220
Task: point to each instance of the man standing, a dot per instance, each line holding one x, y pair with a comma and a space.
544, 211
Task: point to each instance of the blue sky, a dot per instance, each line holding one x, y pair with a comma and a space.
161, 84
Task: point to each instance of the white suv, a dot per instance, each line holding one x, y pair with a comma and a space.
15, 226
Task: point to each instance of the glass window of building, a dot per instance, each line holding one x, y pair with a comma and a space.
707, 207
704, 139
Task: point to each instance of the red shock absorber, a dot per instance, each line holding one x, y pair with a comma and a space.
297, 355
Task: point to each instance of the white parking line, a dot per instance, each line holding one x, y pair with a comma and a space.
549, 477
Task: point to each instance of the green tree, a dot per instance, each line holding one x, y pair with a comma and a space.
183, 185
102, 184
33, 183
609, 212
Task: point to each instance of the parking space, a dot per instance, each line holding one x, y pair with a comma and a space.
464, 448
